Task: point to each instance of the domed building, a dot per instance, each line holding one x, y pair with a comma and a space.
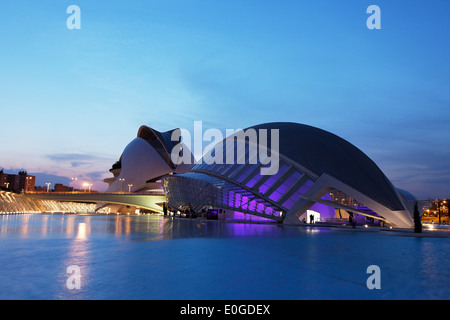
144, 161
308, 166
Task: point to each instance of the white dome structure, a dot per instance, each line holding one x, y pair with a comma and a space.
144, 161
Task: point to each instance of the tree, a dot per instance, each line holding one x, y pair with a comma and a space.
417, 220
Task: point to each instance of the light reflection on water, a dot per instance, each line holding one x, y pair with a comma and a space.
79, 255
145, 227
152, 257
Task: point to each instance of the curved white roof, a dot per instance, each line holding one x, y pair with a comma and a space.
147, 157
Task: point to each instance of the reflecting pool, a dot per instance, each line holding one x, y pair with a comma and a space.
152, 257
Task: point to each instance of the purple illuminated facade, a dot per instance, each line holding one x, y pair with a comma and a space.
312, 163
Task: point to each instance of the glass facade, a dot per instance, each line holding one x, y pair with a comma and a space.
198, 191
237, 187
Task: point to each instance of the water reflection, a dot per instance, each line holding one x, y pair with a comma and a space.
82, 234
170, 228
145, 227
128, 257
123, 225
70, 224
79, 255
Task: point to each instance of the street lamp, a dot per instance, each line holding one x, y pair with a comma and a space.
129, 188
121, 181
439, 202
48, 185
90, 185
73, 180
439, 208
87, 187
439, 211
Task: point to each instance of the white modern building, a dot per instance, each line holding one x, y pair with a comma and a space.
312, 164
144, 161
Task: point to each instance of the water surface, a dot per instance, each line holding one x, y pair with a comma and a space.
152, 257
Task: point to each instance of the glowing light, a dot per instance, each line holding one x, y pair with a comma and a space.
81, 234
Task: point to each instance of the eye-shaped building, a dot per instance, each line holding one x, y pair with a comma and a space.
312, 166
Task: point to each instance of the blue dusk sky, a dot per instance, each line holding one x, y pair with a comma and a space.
71, 100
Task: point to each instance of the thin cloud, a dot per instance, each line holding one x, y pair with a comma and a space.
73, 157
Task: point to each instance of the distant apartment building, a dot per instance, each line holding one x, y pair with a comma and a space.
59, 187
3, 179
17, 182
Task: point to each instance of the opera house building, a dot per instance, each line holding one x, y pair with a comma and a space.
312, 167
